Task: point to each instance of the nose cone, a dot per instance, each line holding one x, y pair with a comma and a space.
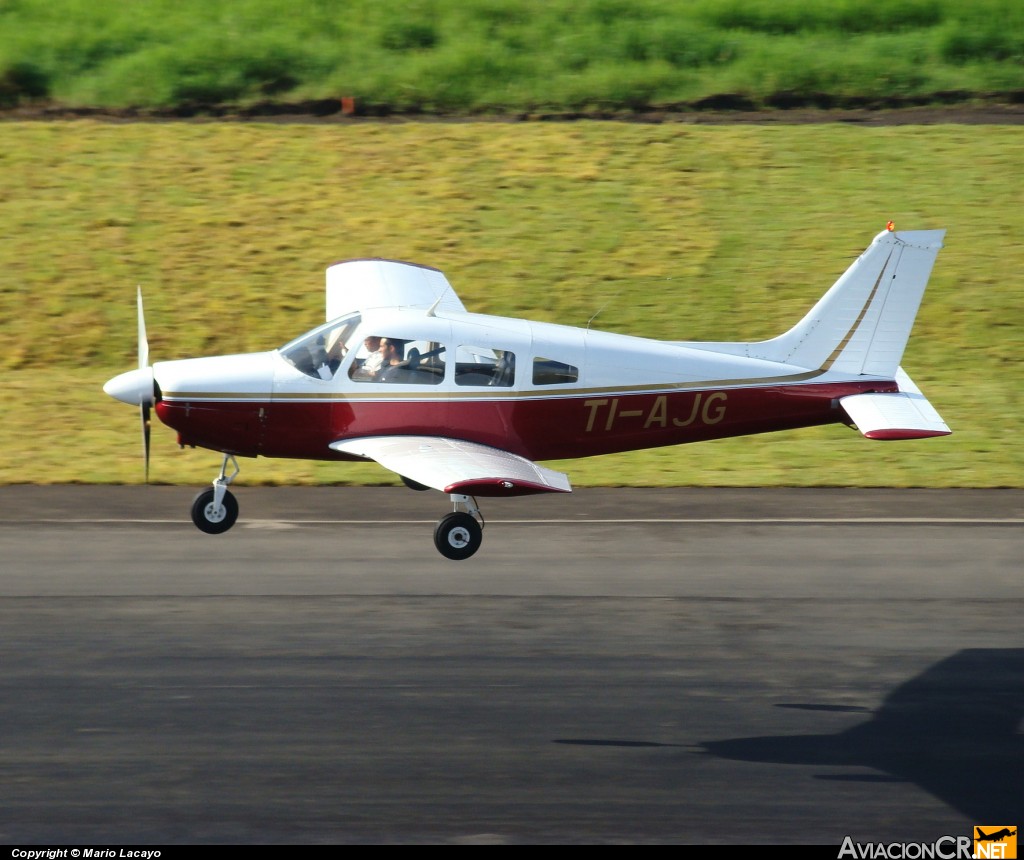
134, 387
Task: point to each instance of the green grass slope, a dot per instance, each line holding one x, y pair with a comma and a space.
667, 231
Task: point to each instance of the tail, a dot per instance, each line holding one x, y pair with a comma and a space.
861, 327
862, 324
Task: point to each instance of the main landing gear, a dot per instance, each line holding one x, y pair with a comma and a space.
459, 534
214, 511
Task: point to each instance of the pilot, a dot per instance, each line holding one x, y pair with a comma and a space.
336, 349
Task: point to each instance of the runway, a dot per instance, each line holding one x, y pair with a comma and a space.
703, 666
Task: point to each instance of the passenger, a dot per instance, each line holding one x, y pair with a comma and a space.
394, 368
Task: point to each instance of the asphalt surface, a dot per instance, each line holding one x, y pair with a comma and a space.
704, 666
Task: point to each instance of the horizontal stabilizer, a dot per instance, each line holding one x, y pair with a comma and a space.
905, 414
457, 466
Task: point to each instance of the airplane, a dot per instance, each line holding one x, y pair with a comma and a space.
997, 836
466, 403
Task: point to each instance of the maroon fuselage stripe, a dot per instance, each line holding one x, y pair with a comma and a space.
538, 429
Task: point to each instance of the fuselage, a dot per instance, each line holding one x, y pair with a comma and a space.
537, 390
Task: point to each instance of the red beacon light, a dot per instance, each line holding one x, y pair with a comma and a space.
890, 225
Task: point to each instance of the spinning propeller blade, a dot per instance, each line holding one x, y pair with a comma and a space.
144, 403
143, 342
145, 437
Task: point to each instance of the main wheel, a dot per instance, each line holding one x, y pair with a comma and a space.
214, 520
458, 536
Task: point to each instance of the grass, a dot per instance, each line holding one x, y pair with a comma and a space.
681, 232
470, 56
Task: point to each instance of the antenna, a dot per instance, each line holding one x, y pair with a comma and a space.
597, 313
618, 292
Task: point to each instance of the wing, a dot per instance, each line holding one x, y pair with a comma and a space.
456, 466
905, 414
363, 284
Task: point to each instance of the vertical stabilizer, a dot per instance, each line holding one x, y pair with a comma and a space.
862, 324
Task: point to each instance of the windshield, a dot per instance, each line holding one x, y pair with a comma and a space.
319, 353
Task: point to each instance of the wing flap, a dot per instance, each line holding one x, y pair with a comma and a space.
457, 466
905, 414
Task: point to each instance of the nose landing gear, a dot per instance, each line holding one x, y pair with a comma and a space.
215, 510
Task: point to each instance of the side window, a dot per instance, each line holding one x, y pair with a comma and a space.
547, 371
480, 365
383, 358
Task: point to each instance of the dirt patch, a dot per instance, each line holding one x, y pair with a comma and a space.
720, 110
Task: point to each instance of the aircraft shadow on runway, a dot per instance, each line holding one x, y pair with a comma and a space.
954, 730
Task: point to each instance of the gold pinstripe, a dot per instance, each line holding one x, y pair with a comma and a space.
560, 393
860, 318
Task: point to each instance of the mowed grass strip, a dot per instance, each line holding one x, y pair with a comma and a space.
665, 231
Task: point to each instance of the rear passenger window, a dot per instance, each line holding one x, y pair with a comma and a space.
485, 366
547, 371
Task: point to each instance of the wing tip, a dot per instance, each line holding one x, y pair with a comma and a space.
502, 487
896, 434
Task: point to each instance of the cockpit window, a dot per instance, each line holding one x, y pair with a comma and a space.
319, 353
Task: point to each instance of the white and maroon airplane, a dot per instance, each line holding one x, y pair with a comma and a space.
465, 403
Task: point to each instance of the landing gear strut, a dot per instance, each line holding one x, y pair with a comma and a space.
459, 534
214, 511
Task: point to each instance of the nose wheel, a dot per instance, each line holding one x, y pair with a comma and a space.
211, 517
459, 534
215, 510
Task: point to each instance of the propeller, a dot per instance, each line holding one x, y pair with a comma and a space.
144, 403
143, 342
138, 386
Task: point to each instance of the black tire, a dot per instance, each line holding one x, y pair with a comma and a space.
458, 536
413, 485
210, 521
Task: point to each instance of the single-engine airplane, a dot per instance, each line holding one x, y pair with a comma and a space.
401, 373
